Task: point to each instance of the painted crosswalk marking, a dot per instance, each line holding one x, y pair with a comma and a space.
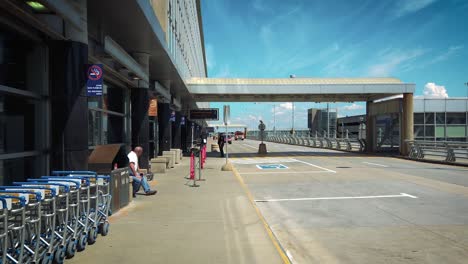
401, 195
261, 160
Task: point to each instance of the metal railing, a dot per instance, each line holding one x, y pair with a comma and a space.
447, 151
347, 144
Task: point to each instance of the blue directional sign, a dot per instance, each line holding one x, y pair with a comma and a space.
271, 166
94, 79
173, 116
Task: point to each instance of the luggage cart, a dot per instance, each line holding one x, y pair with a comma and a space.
45, 238
12, 219
24, 231
101, 200
61, 218
82, 197
72, 236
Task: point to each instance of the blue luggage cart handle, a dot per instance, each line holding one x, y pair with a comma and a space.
20, 199
4, 190
58, 179
52, 190
83, 178
65, 173
31, 181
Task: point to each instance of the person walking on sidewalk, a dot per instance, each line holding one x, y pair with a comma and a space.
139, 179
221, 144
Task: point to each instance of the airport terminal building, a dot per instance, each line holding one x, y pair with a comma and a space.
77, 74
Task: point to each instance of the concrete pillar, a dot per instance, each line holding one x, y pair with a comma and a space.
165, 127
407, 123
370, 128
184, 131
140, 123
69, 104
176, 132
139, 98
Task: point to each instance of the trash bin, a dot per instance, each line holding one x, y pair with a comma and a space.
102, 160
120, 188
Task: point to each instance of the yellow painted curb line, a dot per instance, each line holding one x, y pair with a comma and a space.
272, 236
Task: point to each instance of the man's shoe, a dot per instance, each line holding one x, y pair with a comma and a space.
134, 195
151, 192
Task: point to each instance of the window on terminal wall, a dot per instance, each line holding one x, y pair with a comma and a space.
456, 118
440, 118
429, 131
107, 117
419, 118
418, 131
429, 118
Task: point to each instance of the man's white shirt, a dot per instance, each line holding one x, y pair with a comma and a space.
132, 157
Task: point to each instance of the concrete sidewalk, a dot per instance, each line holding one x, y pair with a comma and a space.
214, 223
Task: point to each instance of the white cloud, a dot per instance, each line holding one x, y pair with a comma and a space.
393, 59
405, 7
341, 64
444, 56
286, 106
432, 90
352, 107
252, 117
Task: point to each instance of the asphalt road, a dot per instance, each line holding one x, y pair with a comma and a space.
327, 206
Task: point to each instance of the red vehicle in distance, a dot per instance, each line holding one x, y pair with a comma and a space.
239, 135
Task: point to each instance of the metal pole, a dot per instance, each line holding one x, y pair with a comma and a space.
191, 141
274, 118
466, 114
293, 117
226, 143
200, 160
328, 119
342, 129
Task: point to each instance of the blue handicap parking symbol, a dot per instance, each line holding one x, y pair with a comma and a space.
271, 166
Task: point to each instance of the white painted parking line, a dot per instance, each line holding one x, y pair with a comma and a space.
370, 163
291, 259
252, 147
261, 160
313, 165
285, 172
340, 198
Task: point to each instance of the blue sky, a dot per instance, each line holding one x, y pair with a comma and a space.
418, 41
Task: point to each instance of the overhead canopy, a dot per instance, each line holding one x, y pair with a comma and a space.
296, 89
135, 27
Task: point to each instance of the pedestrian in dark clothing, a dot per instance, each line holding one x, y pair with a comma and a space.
221, 144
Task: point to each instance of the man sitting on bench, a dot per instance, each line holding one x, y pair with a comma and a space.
138, 178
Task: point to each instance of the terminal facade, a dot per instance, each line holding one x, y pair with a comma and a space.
147, 49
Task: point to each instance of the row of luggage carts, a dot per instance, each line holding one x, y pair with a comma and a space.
49, 219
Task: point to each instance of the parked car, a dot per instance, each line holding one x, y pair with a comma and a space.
239, 135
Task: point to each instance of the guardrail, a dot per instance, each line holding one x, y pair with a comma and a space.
347, 144
447, 151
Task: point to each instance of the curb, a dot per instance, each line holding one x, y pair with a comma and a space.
267, 227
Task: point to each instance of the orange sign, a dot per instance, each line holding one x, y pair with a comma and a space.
153, 107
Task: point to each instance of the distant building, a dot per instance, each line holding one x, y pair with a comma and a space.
353, 126
319, 119
441, 119
434, 120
